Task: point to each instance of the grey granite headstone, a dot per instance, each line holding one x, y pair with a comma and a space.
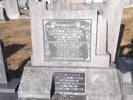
3, 78
7, 89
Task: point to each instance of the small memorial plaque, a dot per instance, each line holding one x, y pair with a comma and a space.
68, 82
67, 39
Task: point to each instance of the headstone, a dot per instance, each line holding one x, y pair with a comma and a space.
1, 11
3, 78
7, 91
23, 4
70, 59
11, 7
129, 4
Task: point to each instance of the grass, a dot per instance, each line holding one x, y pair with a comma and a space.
16, 37
126, 43
17, 41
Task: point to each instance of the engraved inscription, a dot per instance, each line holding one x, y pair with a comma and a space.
69, 82
67, 40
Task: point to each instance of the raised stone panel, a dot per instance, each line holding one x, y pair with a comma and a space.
102, 35
39, 46
67, 40
113, 13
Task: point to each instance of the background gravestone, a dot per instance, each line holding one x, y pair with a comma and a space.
3, 67
11, 7
1, 11
23, 4
7, 90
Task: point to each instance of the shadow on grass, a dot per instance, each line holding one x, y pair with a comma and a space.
11, 49
17, 74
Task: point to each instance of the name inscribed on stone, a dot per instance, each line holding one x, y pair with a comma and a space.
67, 39
68, 82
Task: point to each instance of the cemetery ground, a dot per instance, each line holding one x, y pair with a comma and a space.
17, 40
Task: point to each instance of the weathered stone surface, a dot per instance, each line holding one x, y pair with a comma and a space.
128, 91
39, 33
11, 7
35, 83
99, 82
103, 84
69, 53
113, 13
8, 96
3, 78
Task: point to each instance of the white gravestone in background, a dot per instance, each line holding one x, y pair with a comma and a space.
1, 11
11, 7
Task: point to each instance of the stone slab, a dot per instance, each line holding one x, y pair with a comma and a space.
60, 97
3, 67
8, 96
35, 83
100, 82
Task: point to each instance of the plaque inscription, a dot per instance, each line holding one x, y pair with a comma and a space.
67, 39
68, 82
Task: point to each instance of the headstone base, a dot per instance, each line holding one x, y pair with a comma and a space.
100, 84
7, 91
